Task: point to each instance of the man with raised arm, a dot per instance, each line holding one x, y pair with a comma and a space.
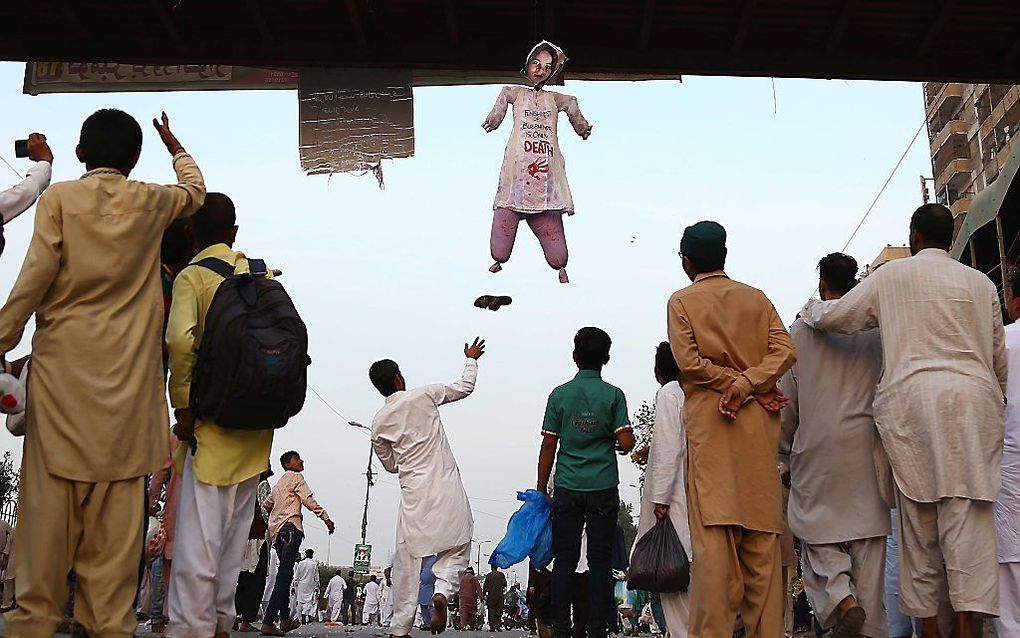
97, 421
435, 516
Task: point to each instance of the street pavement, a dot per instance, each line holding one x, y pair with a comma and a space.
319, 630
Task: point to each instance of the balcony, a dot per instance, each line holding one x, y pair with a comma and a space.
951, 128
950, 95
991, 170
956, 175
961, 206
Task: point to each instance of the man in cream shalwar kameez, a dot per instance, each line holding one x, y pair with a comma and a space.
940, 414
1007, 505
664, 491
731, 347
97, 414
836, 505
435, 515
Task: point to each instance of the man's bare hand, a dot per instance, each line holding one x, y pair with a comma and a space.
640, 457
38, 149
331, 526
730, 402
169, 139
661, 511
184, 429
475, 350
772, 401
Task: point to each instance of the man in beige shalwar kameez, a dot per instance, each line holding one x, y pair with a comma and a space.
731, 348
97, 415
940, 414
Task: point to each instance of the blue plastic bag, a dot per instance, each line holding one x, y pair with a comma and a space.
528, 533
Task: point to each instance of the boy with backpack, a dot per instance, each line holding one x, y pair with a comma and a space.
586, 420
226, 346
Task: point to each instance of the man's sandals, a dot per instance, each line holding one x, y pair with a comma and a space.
493, 302
438, 624
285, 625
850, 624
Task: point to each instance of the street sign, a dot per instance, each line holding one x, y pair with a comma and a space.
362, 558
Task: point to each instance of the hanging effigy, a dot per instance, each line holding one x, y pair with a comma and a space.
533, 181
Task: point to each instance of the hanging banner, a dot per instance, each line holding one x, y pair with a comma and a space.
98, 77
350, 120
362, 558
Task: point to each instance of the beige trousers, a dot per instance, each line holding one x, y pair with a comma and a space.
735, 570
94, 528
947, 546
857, 568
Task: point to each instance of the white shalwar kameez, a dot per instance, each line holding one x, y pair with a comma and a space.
1007, 506
665, 484
274, 565
306, 584
435, 515
387, 605
371, 607
335, 597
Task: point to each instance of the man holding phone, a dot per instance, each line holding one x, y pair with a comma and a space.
20, 197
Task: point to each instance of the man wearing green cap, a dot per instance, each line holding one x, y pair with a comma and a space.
731, 348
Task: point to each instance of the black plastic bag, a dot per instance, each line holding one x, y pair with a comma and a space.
659, 563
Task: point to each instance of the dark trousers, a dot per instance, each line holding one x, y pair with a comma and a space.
347, 615
495, 617
251, 586
288, 548
596, 514
580, 606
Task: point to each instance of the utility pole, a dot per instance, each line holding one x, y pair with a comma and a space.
368, 487
369, 482
478, 557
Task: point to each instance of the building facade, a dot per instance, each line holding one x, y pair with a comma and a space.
971, 131
972, 134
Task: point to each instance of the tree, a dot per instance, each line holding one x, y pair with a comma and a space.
643, 421
9, 479
626, 520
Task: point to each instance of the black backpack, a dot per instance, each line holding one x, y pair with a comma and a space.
251, 370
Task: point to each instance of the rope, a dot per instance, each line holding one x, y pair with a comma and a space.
882, 190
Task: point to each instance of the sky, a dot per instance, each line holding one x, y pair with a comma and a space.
789, 168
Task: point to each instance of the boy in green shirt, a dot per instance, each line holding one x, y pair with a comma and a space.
586, 421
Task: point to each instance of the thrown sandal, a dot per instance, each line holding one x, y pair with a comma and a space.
493, 302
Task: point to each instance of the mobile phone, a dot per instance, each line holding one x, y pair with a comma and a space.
20, 148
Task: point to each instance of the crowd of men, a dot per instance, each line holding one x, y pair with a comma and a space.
887, 393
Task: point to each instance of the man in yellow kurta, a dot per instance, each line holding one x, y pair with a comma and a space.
220, 470
97, 416
731, 348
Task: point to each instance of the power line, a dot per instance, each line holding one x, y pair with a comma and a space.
13, 170
329, 405
882, 190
